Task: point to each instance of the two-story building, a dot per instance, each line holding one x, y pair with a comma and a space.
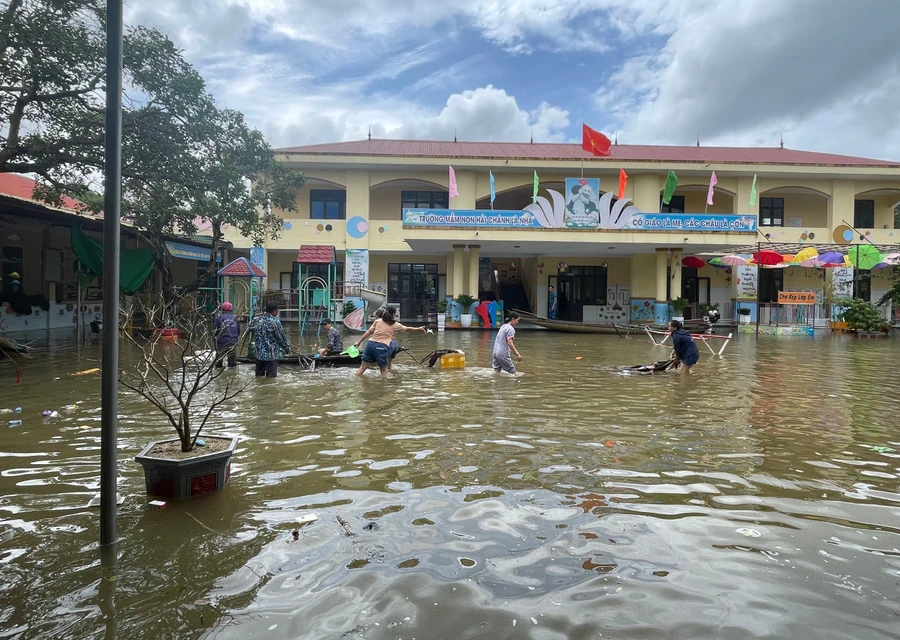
386, 207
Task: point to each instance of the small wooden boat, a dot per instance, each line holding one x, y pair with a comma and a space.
567, 326
305, 360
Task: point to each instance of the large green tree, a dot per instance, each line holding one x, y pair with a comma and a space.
185, 162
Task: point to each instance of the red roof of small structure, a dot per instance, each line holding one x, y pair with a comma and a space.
316, 254
17, 186
242, 268
554, 151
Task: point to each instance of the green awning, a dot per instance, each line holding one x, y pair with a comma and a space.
135, 265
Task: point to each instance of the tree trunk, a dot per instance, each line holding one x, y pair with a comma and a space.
185, 431
163, 261
212, 266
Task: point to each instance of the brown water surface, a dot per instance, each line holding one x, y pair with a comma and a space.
574, 501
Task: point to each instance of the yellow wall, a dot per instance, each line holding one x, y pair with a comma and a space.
804, 279
384, 204
695, 201
643, 275
884, 209
811, 207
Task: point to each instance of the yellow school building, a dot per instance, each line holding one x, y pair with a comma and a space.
385, 207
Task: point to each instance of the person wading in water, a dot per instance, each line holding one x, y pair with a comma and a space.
380, 335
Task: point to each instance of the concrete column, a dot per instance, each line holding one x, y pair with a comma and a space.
357, 205
662, 305
459, 283
840, 206
646, 189
449, 286
466, 184
474, 255
676, 275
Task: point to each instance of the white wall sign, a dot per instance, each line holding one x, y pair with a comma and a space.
356, 266
746, 280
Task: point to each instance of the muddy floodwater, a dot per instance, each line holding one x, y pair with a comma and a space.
757, 498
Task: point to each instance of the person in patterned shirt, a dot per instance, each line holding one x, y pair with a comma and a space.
269, 342
335, 342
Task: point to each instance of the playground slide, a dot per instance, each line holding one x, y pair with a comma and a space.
356, 320
375, 298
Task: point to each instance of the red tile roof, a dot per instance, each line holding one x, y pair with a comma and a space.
17, 186
242, 268
316, 254
553, 151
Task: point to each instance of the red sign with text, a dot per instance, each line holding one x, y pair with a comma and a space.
796, 297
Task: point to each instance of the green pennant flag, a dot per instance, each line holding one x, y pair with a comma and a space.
671, 183
752, 193
536, 184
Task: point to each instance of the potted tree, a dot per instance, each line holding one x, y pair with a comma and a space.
862, 317
678, 307
181, 380
465, 301
441, 314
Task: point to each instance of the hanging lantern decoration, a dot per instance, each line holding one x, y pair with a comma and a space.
562, 266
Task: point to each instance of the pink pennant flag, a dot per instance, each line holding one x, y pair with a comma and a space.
454, 192
712, 183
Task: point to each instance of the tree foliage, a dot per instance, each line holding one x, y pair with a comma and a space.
185, 162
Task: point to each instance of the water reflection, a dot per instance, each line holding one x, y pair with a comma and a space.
757, 497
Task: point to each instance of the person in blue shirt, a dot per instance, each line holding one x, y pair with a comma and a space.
554, 304
684, 349
269, 342
227, 329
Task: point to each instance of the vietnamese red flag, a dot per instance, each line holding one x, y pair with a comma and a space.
594, 142
623, 180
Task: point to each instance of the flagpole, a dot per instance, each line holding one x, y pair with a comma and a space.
582, 162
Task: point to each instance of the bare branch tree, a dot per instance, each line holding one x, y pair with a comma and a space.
181, 378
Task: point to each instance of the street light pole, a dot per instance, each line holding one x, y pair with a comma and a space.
112, 204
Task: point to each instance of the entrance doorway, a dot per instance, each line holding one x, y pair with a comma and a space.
578, 287
414, 287
696, 291
771, 281
862, 284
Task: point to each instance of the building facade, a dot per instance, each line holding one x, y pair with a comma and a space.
386, 207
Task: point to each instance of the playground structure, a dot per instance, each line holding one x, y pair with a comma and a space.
370, 301
241, 284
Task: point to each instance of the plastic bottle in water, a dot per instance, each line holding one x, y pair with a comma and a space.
15, 423
16, 410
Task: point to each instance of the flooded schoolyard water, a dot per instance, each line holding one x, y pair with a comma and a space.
757, 498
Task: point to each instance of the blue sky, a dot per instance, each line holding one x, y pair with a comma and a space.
825, 75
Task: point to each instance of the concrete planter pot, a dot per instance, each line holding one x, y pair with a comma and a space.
465, 320
441, 321
195, 476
